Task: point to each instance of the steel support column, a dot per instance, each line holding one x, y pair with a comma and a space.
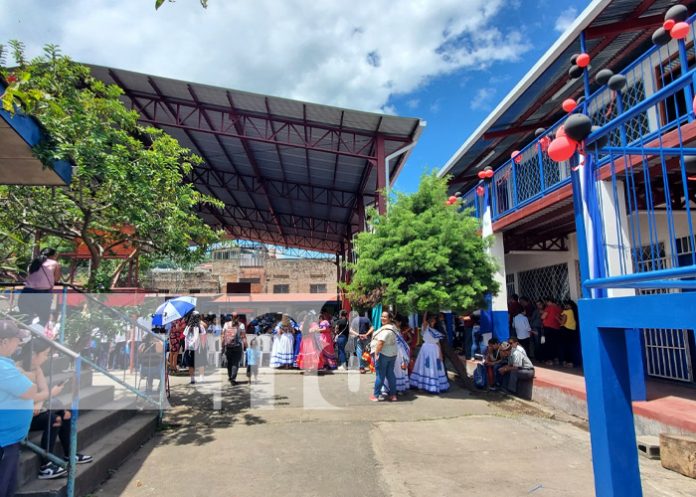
381, 176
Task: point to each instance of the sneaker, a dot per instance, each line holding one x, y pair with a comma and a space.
50, 471
193, 381
374, 399
393, 398
82, 459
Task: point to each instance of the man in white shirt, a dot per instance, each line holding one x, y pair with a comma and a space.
519, 366
522, 329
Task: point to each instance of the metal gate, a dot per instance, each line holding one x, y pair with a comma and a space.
667, 351
549, 281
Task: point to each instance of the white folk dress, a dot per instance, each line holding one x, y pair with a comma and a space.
429, 371
282, 351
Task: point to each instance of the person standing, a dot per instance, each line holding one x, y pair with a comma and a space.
36, 297
282, 352
523, 330
362, 326
17, 394
550, 319
176, 334
252, 360
568, 334
534, 318
383, 347
410, 336
342, 333
233, 344
429, 371
194, 346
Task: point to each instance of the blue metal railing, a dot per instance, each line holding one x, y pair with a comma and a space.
517, 184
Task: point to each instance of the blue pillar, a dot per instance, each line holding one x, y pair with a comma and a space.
614, 454
449, 322
636, 366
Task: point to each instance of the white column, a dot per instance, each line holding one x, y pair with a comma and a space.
616, 237
497, 251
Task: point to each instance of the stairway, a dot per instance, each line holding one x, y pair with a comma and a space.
110, 434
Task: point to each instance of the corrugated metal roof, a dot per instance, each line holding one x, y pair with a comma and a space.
289, 172
529, 103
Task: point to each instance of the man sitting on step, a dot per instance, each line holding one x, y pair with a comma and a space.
518, 367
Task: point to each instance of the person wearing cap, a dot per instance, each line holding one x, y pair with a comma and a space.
518, 366
17, 394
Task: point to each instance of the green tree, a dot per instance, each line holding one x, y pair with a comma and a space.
423, 255
129, 187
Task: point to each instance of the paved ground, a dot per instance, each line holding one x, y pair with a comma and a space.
295, 435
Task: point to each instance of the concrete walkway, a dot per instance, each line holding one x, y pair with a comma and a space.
296, 435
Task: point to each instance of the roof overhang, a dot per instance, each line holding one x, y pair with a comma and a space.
19, 133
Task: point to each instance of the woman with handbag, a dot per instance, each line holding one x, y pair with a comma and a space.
384, 349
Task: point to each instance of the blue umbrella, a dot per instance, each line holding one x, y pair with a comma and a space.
172, 310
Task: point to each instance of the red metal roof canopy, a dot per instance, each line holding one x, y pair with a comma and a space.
290, 173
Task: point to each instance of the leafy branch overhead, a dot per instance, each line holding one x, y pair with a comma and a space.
423, 255
158, 3
129, 188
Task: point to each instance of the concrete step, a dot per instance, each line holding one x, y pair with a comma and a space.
91, 426
109, 452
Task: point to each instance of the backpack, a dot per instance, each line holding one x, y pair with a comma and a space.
232, 341
480, 376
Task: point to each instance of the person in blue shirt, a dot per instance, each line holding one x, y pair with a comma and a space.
17, 394
252, 360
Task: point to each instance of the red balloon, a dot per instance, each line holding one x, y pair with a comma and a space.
669, 24
569, 105
452, 199
481, 174
543, 143
562, 149
480, 191
680, 31
560, 131
489, 173
516, 156
583, 60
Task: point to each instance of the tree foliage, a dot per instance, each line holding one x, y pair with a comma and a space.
423, 255
129, 187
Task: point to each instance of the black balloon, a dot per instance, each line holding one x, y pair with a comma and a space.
661, 37
617, 82
487, 168
574, 72
539, 132
602, 76
690, 165
678, 13
577, 127
574, 58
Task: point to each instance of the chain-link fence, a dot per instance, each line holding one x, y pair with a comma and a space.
549, 281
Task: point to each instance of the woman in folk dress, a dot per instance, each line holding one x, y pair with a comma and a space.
282, 352
310, 357
429, 372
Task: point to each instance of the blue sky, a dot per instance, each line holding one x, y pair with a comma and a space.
448, 62
455, 104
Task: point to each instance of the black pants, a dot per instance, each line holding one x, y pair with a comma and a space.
33, 303
9, 466
551, 347
45, 421
234, 357
568, 345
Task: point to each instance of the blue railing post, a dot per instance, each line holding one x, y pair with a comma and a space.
513, 175
684, 62
540, 158
63, 312
74, 411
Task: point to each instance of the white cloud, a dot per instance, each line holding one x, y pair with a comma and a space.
482, 99
327, 51
413, 103
566, 18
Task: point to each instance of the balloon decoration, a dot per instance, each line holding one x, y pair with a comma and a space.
578, 127
583, 60
488, 172
516, 156
617, 82
680, 31
543, 143
540, 131
677, 13
560, 132
480, 190
669, 24
581, 99
602, 76
561, 149
661, 37
569, 105
574, 59
574, 72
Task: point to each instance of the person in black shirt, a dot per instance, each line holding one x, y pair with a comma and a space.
342, 330
362, 327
